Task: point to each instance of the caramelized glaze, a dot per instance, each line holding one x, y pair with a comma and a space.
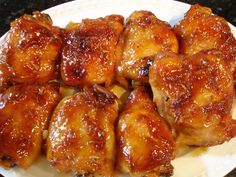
89, 49
31, 49
81, 135
144, 35
202, 30
25, 112
6, 76
145, 144
195, 94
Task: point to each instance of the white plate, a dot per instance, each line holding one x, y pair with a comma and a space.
215, 162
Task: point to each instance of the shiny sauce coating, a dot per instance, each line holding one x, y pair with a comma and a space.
88, 54
25, 111
81, 135
144, 36
202, 30
31, 49
145, 143
195, 95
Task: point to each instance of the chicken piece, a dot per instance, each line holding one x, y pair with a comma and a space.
144, 36
6, 75
202, 30
25, 112
31, 49
81, 134
195, 94
88, 54
145, 144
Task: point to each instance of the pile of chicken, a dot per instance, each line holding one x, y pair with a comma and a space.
180, 83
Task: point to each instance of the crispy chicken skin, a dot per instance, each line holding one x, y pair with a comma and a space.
202, 30
144, 35
88, 55
81, 134
195, 94
31, 49
25, 112
145, 144
6, 76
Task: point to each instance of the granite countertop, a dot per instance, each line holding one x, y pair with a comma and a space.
11, 9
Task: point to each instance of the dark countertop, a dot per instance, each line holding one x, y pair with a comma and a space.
11, 9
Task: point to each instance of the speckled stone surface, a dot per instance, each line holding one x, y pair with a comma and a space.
11, 9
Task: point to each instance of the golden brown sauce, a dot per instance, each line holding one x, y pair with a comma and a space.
25, 112
144, 141
195, 94
88, 51
81, 135
202, 30
199, 151
144, 36
32, 49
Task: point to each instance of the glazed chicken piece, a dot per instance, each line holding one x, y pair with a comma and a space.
81, 134
145, 144
6, 75
25, 112
195, 94
202, 30
144, 35
88, 54
31, 49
